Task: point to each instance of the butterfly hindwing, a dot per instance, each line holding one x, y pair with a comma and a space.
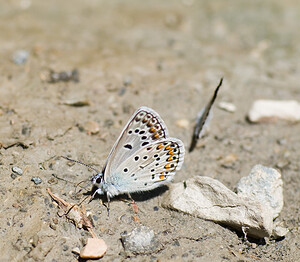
149, 167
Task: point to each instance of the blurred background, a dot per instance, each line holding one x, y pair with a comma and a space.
72, 73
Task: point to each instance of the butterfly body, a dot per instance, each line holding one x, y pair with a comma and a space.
142, 158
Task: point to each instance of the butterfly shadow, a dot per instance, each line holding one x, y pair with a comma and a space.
146, 195
137, 196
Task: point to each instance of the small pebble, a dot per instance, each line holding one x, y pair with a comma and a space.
182, 123
37, 180
20, 57
91, 127
140, 240
94, 248
53, 226
155, 208
226, 106
282, 164
126, 219
254, 245
76, 250
34, 240
77, 103
229, 161
279, 231
17, 170
13, 176
64, 76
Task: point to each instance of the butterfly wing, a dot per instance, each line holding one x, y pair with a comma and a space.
144, 127
150, 166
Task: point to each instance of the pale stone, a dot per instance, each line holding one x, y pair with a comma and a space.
94, 248
272, 110
265, 185
209, 199
229, 107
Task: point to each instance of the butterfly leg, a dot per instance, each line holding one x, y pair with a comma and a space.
134, 206
108, 205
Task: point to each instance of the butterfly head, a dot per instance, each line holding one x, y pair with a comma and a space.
97, 179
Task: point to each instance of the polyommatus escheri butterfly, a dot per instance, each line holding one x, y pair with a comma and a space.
144, 157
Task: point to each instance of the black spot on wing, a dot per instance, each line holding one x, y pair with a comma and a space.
128, 146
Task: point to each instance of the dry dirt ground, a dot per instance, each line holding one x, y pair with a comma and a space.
168, 55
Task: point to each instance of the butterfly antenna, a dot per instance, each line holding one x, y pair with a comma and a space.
76, 161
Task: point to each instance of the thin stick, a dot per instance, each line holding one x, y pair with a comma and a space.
201, 121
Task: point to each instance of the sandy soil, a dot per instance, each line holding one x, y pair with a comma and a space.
170, 57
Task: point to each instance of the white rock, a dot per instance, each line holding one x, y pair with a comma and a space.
272, 110
265, 185
140, 240
209, 199
229, 107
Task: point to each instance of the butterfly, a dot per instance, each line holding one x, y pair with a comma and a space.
144, 157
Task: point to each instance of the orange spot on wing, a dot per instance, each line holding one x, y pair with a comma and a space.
160, 146
171, 153
162, 177
167, 166
156, 136
169, 158
152, 130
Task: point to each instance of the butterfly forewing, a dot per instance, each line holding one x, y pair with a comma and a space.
144, 127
